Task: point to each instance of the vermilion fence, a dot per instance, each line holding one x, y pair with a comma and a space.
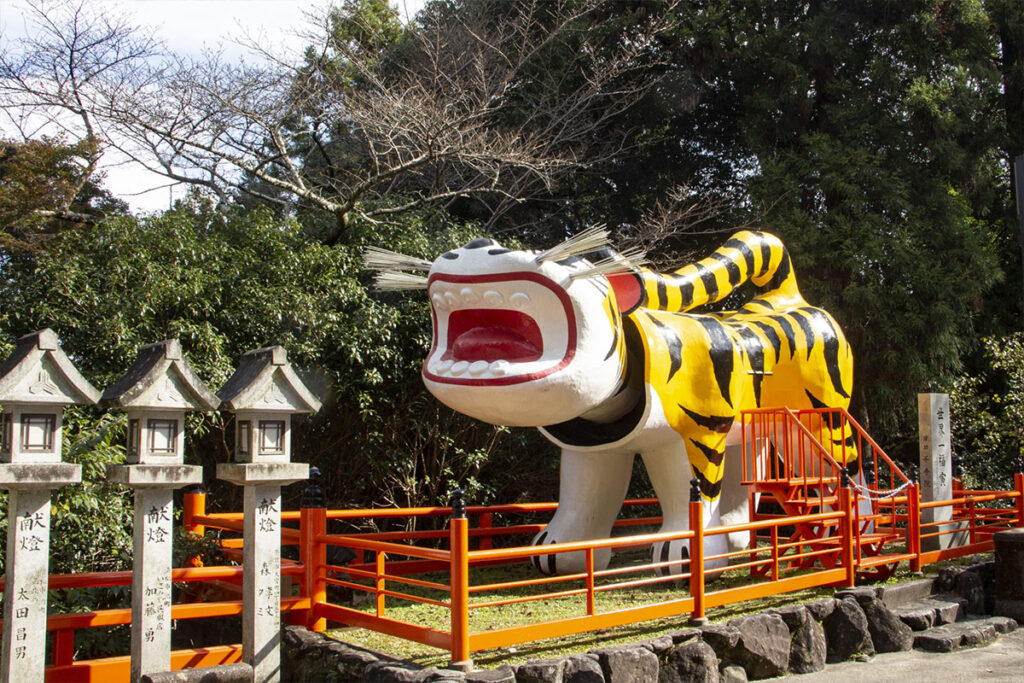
470, 608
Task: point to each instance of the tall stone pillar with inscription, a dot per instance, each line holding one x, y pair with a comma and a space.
156, 392
36, 382
936, 467
263, 394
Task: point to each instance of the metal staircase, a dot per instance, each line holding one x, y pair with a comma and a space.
795, 461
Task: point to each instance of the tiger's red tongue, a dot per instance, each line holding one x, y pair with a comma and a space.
491, 344
493, 334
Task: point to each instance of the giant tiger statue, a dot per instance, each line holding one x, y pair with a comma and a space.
609, 360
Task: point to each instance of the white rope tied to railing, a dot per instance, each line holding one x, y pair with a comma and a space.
879, 495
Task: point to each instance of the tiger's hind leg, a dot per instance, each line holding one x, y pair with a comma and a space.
670, 474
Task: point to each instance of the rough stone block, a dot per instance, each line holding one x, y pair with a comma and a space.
917, 616
720, 637
732, 674
1003, 624
686, 635
808, 647
660, 645
888, 633
628, 664
763, 647
583, 668
541, 671
846, 631
820, 609
502, 674
969, 585
692, 662
224, 673
794, 615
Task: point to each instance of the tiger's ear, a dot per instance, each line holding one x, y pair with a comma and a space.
629, 290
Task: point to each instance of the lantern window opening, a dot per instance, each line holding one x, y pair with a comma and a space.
271, 437
5, 434
133, 438
163, 436
244, 434
37, 432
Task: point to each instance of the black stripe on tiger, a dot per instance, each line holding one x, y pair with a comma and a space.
713, 456
782, 272
830, 340
709, 280
672, 341
731, 267
808, 330
752, 344
707, 489
766, 254
787, 330
720, 350
773, 337
743, 248
715, 423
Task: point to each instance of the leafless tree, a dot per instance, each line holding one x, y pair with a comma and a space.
461, 105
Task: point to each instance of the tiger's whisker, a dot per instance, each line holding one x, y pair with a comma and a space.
391, 281
628, 260
589, 240
375, 258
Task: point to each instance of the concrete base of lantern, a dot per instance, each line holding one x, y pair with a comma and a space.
254, 474
155, 476
39, 475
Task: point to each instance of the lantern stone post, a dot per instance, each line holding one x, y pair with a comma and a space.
36, 382
156, 392
263, 394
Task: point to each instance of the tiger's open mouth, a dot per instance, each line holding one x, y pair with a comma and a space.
498, 329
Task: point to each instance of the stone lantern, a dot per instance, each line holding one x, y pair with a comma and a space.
263, 394
37, 381
156, 392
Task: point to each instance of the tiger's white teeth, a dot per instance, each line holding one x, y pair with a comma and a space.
519, 299
498, 368
445, 299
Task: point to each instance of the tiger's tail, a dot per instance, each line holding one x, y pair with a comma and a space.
747, 256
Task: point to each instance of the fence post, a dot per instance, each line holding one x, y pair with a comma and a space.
313, 552
846, 526
697, 618
486, 522
458, 549
1018, 483
914, 526
193, 504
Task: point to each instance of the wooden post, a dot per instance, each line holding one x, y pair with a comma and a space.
1018, 483
193, 504
914, 526
697, 555
590, 581
846, 527
459, 548
312, 551
486, 522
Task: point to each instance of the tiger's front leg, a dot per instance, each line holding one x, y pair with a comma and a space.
670, 474
592, 487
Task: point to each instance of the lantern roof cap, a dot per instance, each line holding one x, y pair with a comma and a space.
141, 386
38, 371
266, 381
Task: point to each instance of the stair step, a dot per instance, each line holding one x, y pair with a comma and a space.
969, 633
936, 610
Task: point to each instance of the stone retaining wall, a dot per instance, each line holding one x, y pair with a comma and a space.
857, 622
